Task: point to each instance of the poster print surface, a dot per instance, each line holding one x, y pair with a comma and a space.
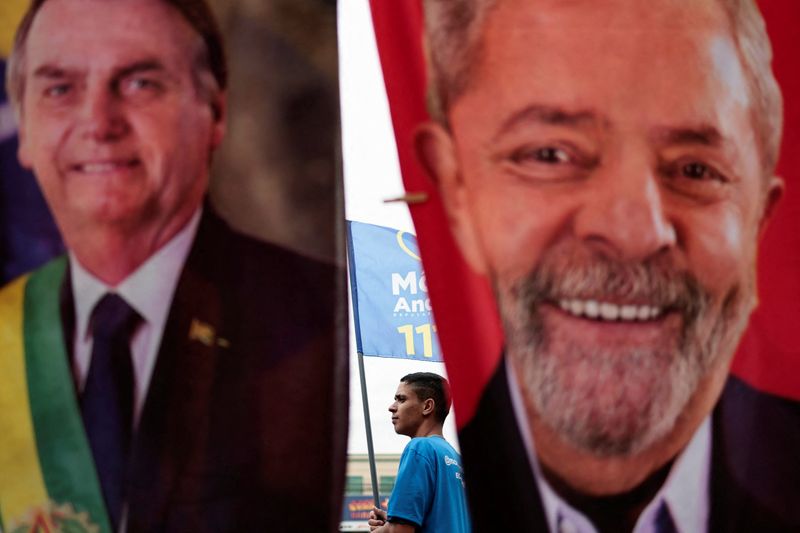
489, 421
174, 268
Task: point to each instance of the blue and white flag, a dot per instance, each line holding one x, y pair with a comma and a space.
391, 307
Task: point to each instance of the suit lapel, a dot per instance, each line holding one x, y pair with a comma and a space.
503, 494
66, 302
174, 420
726, 499
755, 467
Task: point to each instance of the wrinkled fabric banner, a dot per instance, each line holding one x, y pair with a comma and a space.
391, 307
769, 354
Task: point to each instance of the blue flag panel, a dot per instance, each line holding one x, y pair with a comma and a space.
28, 235
391, 307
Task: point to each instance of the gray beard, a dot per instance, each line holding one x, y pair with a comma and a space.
615, 400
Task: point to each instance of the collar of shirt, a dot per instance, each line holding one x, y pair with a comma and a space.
685, 492
149, 290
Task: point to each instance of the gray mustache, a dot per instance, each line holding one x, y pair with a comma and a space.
654, 281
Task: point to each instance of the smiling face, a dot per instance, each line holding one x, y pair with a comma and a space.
112, 122
601, 168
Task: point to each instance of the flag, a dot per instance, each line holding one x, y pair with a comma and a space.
49, 480
28, 234
466, 315
391, 308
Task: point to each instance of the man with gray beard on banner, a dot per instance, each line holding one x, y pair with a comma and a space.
609, 166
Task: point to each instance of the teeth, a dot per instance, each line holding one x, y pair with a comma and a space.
627, 312
97, 168
608, 311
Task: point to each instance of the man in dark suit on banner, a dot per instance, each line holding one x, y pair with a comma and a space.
609, 167
168, 363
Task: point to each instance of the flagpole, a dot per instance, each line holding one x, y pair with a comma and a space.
370, 450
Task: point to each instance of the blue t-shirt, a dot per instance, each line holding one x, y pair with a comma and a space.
430, 488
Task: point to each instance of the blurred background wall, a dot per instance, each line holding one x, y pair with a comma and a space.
277, 175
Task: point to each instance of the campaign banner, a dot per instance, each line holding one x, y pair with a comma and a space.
469, 324
391, 308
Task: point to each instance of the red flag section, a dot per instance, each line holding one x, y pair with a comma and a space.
464, 309
466, 316
769, 356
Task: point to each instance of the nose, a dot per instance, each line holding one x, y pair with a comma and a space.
103, 116
624, 215
393, 407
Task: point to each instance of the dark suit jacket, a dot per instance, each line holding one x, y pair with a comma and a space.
755, 471
243, 430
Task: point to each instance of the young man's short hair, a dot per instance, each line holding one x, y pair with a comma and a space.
429, 385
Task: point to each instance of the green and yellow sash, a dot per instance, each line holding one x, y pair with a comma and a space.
48, 481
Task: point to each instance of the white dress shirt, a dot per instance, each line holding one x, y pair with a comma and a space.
148, 290
685, 491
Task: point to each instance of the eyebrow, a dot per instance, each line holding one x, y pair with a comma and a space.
49, 71
702, 135
146, 65
551, 116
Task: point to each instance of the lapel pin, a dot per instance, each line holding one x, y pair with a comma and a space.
202, 332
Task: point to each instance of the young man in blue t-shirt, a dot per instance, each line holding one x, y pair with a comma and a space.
428, 496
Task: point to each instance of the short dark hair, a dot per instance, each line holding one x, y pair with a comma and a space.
196, 12
429, 385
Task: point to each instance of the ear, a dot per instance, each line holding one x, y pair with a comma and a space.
428, 406
436, 152
219, 113
772, 196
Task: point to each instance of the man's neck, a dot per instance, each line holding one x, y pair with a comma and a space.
112, 253
611, 514
429, 430
601, 476
598, 475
